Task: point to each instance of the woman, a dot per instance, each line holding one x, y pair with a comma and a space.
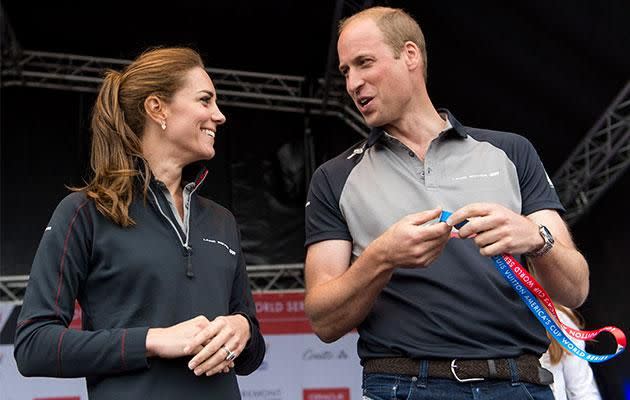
157, 270
573, 377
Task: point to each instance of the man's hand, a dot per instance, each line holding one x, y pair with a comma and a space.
410, 243
496, 229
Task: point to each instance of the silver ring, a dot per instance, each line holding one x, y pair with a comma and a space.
230, 354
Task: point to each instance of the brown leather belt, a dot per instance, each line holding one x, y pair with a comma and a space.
527, 367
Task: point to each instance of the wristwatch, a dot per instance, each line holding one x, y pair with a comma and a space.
547, 237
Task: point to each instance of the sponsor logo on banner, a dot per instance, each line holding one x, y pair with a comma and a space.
282, 313
262, 394
327, 394
310, 355
319, 354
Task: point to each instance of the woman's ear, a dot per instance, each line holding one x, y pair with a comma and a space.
155, 108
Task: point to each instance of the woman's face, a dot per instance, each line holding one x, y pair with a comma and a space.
193, 118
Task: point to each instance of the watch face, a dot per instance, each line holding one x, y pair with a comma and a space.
548, 242
546, 234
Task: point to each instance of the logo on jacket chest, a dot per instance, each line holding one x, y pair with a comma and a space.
214, 241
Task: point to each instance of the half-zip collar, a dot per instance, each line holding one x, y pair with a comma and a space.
163, 207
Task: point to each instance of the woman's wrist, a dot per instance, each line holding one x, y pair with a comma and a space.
152, 341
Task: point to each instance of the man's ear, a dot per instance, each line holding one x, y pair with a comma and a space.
155, 108
412, 56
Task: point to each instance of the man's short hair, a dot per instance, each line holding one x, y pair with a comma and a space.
397, 26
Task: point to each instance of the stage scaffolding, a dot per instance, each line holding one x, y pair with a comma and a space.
262, 278
600, 159
596, 163
245, 89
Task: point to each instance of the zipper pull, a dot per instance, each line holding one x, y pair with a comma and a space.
189, 267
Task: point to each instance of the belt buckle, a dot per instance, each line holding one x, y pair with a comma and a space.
454, 367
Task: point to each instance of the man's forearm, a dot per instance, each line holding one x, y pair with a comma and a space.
563, 272
341, 304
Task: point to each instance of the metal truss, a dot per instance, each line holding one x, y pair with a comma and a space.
598, 161
331, 75
268, 278
237, 88
12, 288
277, 277
9, 46
243, 89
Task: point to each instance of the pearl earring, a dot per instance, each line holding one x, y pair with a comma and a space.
163, 124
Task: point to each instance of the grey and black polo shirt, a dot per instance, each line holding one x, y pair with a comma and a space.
460, 306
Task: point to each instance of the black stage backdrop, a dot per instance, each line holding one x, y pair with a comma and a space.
546, 70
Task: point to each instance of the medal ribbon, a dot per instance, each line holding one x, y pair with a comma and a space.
533, 294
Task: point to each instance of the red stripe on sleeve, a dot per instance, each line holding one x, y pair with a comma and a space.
122, 350
63, 258
59, 352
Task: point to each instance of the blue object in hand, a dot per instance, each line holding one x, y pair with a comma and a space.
444, 216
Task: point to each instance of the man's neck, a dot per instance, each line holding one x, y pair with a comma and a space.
417, 130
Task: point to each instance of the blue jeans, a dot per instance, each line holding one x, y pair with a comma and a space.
405, 387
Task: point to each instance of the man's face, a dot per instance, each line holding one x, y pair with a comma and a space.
378, 83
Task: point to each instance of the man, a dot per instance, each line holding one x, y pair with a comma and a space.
430, 312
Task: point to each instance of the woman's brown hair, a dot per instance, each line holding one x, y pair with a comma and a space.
118, 120
556, 351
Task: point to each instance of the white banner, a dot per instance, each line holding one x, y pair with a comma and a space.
301, 366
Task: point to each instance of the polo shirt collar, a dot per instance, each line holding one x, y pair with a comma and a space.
456, 128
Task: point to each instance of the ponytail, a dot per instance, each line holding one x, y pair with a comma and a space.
115, 155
